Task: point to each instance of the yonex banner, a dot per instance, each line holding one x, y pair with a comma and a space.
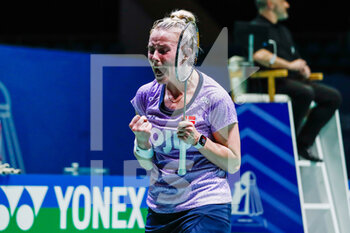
45, 203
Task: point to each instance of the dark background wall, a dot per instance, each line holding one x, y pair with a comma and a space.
321, 28
66, 22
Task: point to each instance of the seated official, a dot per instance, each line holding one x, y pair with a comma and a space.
297, 86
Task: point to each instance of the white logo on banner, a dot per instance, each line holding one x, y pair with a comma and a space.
25, 215
106, 207
99, 207
247, 195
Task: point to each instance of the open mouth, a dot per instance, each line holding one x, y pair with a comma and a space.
158, 71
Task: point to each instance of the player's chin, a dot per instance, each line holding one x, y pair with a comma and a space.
161, 79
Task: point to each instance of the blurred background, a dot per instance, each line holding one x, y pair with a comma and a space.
321, 30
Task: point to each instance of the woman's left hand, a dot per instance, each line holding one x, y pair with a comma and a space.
187, 132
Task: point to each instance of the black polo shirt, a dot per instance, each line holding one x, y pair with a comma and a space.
281, 35
285, 49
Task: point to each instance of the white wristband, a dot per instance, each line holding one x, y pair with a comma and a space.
146, 154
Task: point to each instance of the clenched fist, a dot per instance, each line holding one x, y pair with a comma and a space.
141, 127
187, 132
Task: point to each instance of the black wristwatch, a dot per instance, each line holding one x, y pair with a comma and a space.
201, 142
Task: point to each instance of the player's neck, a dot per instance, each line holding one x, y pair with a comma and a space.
174, 93
192, 82
177, 89
174, 90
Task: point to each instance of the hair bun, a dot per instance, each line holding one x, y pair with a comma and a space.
183, 15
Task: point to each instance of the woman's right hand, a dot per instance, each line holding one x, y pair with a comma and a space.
141, 127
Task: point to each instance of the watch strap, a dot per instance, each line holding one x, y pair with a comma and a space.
200, 144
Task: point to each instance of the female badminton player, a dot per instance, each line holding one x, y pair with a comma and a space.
199, 200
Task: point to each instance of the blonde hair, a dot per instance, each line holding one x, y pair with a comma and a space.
179, 19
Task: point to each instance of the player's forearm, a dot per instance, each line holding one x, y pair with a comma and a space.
145, 163
222, 156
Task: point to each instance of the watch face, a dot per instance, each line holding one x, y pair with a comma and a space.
202, 140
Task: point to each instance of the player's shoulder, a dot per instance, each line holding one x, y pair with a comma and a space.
149, 88
213, 89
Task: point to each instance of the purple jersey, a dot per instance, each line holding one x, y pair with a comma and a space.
211, 109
